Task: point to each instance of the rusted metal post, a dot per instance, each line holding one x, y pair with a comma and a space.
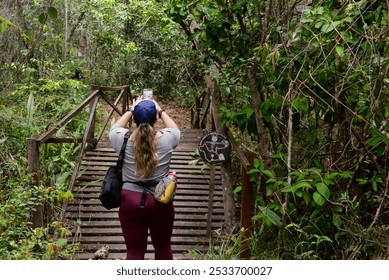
246, 207
34, 169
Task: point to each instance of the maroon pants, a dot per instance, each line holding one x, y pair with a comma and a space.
136, 221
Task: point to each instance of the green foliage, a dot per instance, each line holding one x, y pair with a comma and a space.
25, 112
18, 240
325, 65
148, 48
223, 247
4, 24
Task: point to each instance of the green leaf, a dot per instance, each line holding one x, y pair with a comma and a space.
336, 23
322, 238
324, 27
61, 241
298, 186
268, 173
253, 171
193, 162
204, 36
307, 197
349, 19
329, 28
30, 108
318, 24
53, 13
336, 221
323, 190
301, 104
272, 216
318, 198
28, 38
7, 22
62, 178
338, 209
238, 189
256, 163
340, 50
346, 174
249, 112
42, 18
3, 27
182, 12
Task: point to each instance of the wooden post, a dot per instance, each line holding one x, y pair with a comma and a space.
34, 169
210, 201
125, 100
246, 208
92, 113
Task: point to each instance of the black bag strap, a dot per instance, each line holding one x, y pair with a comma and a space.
146, 190
119, 164
143, 199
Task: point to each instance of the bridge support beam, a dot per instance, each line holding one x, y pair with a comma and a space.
34, 169
210, 202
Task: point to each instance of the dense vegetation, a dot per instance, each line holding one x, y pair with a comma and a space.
302, 84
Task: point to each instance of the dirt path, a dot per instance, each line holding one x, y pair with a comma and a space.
180, 115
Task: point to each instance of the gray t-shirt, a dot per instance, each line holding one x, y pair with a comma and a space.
165, 144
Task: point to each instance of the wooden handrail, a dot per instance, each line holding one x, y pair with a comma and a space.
88, 136
44, 138
67, 118
70, 140
95, 87
113, 105
109, 116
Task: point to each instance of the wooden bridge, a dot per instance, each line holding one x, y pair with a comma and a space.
98, 227
198, 203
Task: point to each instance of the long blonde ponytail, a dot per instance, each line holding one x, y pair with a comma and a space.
146, 158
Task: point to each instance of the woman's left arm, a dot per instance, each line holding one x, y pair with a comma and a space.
124, 119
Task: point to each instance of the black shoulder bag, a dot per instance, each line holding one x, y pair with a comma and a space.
113, 180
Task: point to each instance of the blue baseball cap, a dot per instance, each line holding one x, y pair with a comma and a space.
145, 112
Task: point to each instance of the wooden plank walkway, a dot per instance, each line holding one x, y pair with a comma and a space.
98, 227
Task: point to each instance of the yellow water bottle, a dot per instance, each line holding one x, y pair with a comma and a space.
166, 189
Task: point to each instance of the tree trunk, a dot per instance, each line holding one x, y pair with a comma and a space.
82, 44
230, 218
264, 139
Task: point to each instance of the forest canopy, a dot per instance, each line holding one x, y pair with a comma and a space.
303, 85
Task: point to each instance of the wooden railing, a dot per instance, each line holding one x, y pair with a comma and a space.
90, 137
200, 110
